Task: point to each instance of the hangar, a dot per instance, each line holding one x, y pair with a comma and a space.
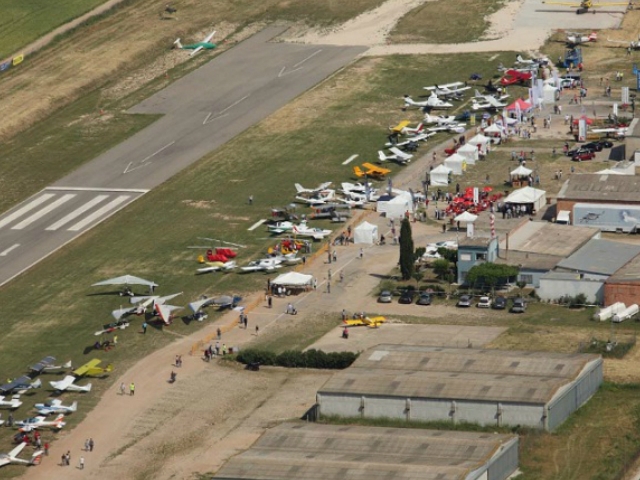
335, 452
486, 387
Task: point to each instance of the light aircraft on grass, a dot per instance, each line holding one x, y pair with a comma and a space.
585, 6
409, 140
575, 38
613, 132
403, 128
433, 102
318, 197
304, 230
206, 44
397, 156
439, 119
91, 369
127, 281
490, 103
11, 458
20, 385
280, 227
218, 266
55, 406
450, 90
319, 188
370, 170
34, 423
141, 304
366, 321
67, 384
47, 365
222, 302
633, 44
11, 404
112, 327
265, 264
531, 61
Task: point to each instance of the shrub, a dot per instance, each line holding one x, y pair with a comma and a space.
298, 359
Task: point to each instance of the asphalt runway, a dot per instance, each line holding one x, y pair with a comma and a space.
202, 111
535, 14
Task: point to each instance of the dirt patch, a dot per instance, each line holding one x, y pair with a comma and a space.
202, 204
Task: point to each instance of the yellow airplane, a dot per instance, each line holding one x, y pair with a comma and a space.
91, 369
585, 5
374, 322
371, 170
401, 126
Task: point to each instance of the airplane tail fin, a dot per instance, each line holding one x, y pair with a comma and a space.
177, 43
381, 156
408, 100
478, 94
36, 384
299, 188
73, 407
36, 458
67, 365
109, 368
87, 387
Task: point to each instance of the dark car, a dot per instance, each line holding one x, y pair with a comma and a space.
595, 146
585, 155
519, 305
424, 299
579, 150
605, 144
406, 297
385, 297
464, 301
499, 303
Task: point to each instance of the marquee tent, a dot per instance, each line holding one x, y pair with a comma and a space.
366, 233
520, 172
480, 141
456, 163
466, 217
439, 176
524, 106
293, 279
469, 152
528, 195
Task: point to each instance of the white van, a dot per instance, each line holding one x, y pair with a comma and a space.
564, 217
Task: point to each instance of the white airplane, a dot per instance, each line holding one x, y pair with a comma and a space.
448, 90
316, 198
352, 203
305, 231
12, 457
47, 365
407, 130
165, 312
55, 406
575, 38
280, 227
67, 384
265, 264
359, 195
356, 187
216, 266
451, 127
439, 119
397, 155
206, 44
490, 103
432, 102
531, 61
319, 188
34, 423
11, 404
490, 98
617, 132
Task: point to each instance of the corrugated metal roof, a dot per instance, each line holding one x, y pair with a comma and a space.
329, 452
600, 257
593, 186
548, 238
458, 373
629, 272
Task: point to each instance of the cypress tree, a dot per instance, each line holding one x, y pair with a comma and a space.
407, 252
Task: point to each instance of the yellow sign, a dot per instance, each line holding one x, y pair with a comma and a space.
472, 119
18, 59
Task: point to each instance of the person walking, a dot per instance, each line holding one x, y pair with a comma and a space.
144, 328
270, 301
257, 330
246, 322
46, 449
91, 444
67, 457
218, 348
81, 466
86, 445
132, 389
361, 252
219, 333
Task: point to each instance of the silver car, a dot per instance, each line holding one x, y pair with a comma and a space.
385, 297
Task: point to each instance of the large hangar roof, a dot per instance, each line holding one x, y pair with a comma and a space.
458, 373
600, 187
332, 452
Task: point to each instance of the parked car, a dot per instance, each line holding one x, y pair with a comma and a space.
499, 303
578, 150
484, 302
586, 155
594, 146
519, 305
385, 297
605, 143
464, 301
424, 299
407, 297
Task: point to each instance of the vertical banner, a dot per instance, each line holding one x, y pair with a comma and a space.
476, 195
582, 130
625, 95
615, 109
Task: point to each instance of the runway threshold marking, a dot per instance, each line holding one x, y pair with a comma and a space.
223, 113
98, 213
257, 224
41, 213
297, 66
142, 163
350, 159
27, 208
6, 252
77, 212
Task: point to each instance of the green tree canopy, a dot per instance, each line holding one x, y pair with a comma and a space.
491, 274
407, 252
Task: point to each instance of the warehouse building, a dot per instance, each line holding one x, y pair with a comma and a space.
330, 452
486, 387
624, 285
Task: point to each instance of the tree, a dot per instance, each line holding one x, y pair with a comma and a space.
441, 267
407, 252
491, 274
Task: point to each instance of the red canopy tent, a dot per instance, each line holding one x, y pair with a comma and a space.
524, 106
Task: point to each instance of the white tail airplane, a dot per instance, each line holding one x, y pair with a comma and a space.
265, 264
55, 406
12, 457
47, 365
20, 385
34, 423
215, 266
11, 404
617, 132
490, 102
531, 61
305, 231
67, 384
449, 127
453, 89
575, 38
397, 155
432, 102
165, 312
319, 188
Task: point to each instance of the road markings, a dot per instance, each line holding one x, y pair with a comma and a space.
350, 159
223, 113
297, 66
8, 250
98, 213
257, 224
27, 208
142, 163
77, 212
41, 213
99, 189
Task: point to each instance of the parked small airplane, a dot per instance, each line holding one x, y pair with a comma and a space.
450, 127
47, 365
531, 61
611, 132
316, 197
197, 47
490, 102
11, 404
575, 38
513, 77
359, 192
55, 406
216, 266
433, 102
450, 90
585, 5
280, 227
319, 188
67, 384
370, 171
34, 423
439, 119
265, 264
222, 302
12, 457
304, 230
366, 321
633, 44
91, 369
20, 385
397, 156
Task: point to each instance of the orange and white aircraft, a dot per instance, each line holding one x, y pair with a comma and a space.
370, 170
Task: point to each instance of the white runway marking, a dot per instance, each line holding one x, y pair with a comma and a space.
99, 189
257, 224
308, 58
223, 113
11, 248
77, 212
41, 213
142, 163
27, 208
297, 66
350, 159
98, 213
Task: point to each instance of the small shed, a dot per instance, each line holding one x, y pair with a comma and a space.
469, 152
439, 176
528, 195
456, 163
365, 233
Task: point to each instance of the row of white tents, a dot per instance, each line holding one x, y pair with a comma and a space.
456, 164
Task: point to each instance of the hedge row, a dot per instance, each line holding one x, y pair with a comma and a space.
298, 359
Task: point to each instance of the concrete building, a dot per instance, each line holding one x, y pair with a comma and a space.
624, 284
474, 251
608, 202
486, 387
334, 452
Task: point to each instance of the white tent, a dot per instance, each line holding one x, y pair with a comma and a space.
439, 176
466, 217
480, 141
528, 195
494, 130
456, 163
469, 152
397, 206
366, 233
520, 172
293, 279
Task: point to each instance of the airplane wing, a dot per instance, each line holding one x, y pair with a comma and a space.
63, 384
16, 451
164, 312
87, 367
208, 38
400, 154
166, 298
400, 126
42, 364
144, 298
196, 50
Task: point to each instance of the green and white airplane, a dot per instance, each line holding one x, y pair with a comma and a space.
197, 47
